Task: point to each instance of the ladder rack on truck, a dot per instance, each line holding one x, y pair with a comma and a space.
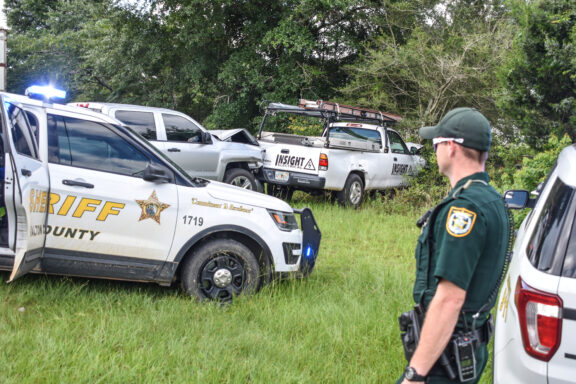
346, 111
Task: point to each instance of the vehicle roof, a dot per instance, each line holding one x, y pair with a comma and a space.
567, 165
60, 107
102, 105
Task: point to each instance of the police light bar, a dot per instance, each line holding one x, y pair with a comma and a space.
46, 93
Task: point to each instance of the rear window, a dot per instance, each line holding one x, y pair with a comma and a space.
359, 134
551, 248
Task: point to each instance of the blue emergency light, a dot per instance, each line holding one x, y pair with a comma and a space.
46, 93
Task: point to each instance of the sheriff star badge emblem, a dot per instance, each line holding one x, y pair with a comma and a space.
151, 208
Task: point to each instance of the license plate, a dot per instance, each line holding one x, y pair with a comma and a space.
282, 176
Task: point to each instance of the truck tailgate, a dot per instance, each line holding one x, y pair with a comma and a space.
294, 158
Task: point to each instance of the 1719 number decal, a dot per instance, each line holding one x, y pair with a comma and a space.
193, 220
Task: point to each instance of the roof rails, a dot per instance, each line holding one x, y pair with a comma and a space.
346, 111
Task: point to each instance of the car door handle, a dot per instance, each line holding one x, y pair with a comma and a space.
285, 151
77, 183
26, 172
173, 150
395, 159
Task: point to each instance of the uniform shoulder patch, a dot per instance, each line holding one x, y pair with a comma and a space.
460, 221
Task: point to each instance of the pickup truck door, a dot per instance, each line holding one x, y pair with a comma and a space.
402, 160
185, 147
26, 189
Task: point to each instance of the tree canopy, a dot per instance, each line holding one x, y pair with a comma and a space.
220, 60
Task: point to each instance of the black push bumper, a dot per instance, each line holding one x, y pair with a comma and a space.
310, 240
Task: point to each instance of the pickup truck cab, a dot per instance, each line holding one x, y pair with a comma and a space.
231, 156
357, 151
85, 196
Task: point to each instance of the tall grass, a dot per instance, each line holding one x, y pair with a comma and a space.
337, 326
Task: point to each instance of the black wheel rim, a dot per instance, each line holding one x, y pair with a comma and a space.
222, 277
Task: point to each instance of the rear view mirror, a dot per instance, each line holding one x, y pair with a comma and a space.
517, 199
206, 137
157, 174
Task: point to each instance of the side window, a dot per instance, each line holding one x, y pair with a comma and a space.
552, 225
141, 122
34, 125
24, 140
397, 144
181, 129
92, 145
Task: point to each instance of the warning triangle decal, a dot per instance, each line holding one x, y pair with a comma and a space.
310, 165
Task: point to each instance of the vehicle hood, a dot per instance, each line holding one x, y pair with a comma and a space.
237, 135
243, 197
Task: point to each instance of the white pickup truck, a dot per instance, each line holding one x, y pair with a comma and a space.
356, 152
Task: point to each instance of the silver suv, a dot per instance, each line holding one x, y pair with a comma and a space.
535, 340
232, 156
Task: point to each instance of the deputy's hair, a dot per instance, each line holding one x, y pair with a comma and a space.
474, 154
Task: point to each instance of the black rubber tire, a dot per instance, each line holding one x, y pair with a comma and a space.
241, 178
353, 192
219, 270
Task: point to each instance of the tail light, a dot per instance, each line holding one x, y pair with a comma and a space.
323, 163
540, 315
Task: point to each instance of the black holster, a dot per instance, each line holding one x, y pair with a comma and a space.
410, 326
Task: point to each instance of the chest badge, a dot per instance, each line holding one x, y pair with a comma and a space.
151, 208
460, 221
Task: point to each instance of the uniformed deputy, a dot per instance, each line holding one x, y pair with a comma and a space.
460, 253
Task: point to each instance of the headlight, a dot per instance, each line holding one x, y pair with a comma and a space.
284, 220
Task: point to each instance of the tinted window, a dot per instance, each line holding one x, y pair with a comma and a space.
92, 145
181, 129
351, 133
547, 245
22, 135
396, 143
141, 122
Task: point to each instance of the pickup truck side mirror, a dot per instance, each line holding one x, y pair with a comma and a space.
206, 138
157, 174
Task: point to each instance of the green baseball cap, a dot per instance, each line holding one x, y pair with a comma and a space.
462, 123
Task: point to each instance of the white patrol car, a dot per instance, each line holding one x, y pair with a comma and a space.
357, 151
86, 197
535, 337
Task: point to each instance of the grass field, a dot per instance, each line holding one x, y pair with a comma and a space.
337, 326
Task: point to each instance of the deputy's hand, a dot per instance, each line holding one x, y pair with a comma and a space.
412, 382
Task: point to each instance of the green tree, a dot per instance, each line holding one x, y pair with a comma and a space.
538, 92
445, 62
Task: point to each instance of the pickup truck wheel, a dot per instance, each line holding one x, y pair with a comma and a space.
242, 178
219, 270
284, 193
353, 192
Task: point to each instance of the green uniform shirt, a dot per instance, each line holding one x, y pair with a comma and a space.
467, 245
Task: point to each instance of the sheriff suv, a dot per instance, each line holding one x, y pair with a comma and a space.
232, 156
535, 339
84, 196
